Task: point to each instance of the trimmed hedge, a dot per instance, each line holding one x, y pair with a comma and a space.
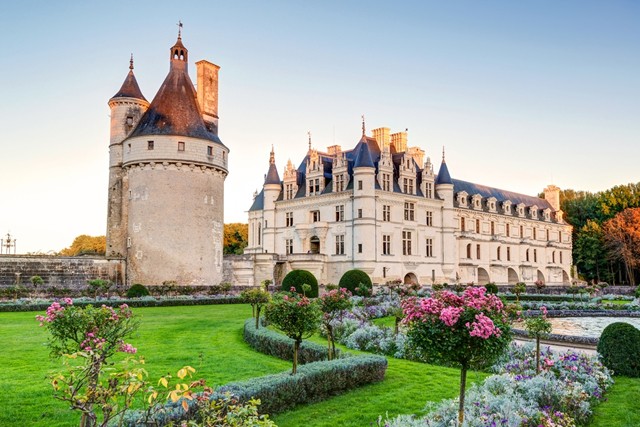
619, 347
137, 291
275, 344
297, 278
352, 279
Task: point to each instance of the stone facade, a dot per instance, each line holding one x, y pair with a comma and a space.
380, 208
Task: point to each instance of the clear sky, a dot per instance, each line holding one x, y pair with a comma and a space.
521, 93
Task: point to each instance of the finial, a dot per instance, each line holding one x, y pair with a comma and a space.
363, 127
443, 154
131, 62
309, 135
179, 24
272, 156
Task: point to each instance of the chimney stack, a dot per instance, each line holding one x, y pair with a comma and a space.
381, 135
399, 141
207, 94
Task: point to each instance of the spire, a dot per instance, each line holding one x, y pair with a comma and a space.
363, 127
130, 88
179, 53
309, 134
272, 176
443, 174
443, 154
363, 156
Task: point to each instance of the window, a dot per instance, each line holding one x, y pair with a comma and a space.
315, 216
340, 213
547, 235
289, 191
408, 185
359, 213
339, 182
149, 145
180, 146
498, 253
314, 186
428, 190
429, 218
359, 248
560, 254
406, 243
288, 219
534, 233
507, 230
386, 244
386, 213
522, 232
259, 233
209, 150
360, 185
289, 246
508, 253
128, 242
409, 209
478, 226
128, 148
469, 251
493, 228
340, 244
462, 225
429, 248
526, 256
129, 120
560, 237
386, 182
535, 255
477, 251
553, 257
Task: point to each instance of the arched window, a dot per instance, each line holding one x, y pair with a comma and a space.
469, 250
527, 255
498, 253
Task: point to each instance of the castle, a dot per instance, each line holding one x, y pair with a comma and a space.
380, 208
167, 168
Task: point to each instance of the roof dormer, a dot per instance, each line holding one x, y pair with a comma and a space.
477, 202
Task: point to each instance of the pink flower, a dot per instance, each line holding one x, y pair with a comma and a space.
483, 327
127, 348
68, 301
450, 315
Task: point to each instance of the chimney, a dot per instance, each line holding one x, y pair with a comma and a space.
333, 150
552, 195
399, 140
381, 135
418, 155
207, 94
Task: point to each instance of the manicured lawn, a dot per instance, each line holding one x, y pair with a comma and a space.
209, 338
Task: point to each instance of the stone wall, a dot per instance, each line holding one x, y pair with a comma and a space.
61, 272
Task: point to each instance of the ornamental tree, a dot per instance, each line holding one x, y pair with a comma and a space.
88, 337
296, 316
258, 299
538, 327
470, 330
332, 305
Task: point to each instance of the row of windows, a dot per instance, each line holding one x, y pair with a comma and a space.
409, 214
507, 230
181, 147
340, 185
529, 254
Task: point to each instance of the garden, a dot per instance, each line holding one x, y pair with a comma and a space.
402, 357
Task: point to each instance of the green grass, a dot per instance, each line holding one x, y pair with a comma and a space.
389, 321
615, 301
209, 338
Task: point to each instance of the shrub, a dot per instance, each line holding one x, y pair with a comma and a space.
619, 347
258, 299
356, 281
491, 288
137, 291
297, 278
638, 292
37, 280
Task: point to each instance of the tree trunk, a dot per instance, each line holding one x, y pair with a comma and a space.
397, 326
463, 386
296, 347
329, 342
257, 317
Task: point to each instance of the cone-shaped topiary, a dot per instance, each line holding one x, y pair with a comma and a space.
297, 278
619, 347
357, 282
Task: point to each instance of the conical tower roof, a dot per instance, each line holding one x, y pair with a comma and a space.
363, 154
272, 176
443, 174
130, 88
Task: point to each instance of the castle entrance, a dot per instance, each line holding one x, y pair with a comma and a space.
315, 245
410, 279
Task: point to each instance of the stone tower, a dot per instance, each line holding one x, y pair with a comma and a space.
166, 180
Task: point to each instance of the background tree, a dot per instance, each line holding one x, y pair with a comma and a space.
538, 327
84, 244
258, 298
622, 238
236, 238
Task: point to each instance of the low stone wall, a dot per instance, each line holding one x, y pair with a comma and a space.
60, 272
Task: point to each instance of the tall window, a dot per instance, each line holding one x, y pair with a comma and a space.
493, 228
386, 182
359, 213
522, 232
469, 251
259, 234
339, 182
315, 216
462, 224
535, 255
477, 226
429, 248
428, 190
477, 251
340, 213
386, 213
288, 219
534, 233
560, 254
429, 218
406, 243
360, 185
559, 236
289, 191
386, 244
526, 255
507, 229
209, 150
289, 246
340, 244
314, 186
150, 145
409, 209
498, 253
407, 185
508, 253
553, 257
180, 146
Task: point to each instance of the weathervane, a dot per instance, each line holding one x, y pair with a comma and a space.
363, 128
131, 62
309, 135
179, 24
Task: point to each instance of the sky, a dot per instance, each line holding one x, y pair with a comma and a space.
521, 94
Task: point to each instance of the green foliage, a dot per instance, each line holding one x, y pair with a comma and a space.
137, 290
519, 288
638, 292
491, 288
258, 299
227, 411
297, 278
619, 347
99, 286
357, 282
236, 238
36, 281
332, 305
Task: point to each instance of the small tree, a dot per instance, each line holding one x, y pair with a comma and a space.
266, 283
296, 316
332, 305
36, 281
471, 329
518, 289
99, 286
258, 299
538, 327
540, 285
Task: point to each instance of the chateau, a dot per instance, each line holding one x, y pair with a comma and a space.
167, 168
380, 208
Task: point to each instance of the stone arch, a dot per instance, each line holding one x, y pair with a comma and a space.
512, 276
314, 245
483, 276
565, 278
410, 279
541, 277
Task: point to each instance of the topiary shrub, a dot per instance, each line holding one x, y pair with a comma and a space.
297, 278
619, 347
137, 291
357, 282
491, 288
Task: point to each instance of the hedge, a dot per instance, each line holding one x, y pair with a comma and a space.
275, 344
297, 278
619, 348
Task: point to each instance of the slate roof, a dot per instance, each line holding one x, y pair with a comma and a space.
443, 175
272, 175
500, 195
363, 155
258, 202
130, 88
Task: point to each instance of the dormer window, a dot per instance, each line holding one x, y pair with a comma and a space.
462, 199
521, 207
477, 202
506, 207
533, 211
491, 204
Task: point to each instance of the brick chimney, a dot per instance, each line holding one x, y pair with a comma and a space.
207, 94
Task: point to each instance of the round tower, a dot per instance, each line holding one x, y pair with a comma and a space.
272, 188
174, 166
127, 107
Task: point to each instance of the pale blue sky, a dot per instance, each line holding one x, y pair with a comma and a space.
522, 94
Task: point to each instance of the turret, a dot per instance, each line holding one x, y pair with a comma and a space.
444, 190
271, 188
